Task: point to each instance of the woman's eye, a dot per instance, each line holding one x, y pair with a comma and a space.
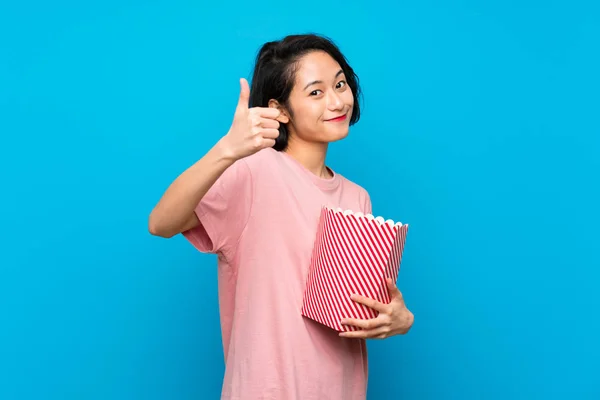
314, 92
341, 84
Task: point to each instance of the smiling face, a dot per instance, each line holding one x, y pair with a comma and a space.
321, 102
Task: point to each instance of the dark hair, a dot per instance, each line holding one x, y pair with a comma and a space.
275, 71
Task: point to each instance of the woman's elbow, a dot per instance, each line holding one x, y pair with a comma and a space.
157, 229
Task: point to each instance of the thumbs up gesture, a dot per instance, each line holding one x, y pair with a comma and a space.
252, 129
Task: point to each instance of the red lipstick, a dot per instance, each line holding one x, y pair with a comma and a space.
338, 119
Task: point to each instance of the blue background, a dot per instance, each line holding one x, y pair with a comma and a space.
480, 129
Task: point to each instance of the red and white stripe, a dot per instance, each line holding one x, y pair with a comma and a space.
352, 255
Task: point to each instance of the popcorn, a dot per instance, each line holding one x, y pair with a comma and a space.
353, 254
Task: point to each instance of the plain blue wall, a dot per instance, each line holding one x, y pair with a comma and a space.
480, 129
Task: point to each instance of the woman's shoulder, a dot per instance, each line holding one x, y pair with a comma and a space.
358, 193
262, 160
352, 185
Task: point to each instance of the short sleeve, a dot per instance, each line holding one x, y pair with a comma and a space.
367, 207
223, 211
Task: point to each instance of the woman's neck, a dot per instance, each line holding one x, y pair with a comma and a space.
311, 156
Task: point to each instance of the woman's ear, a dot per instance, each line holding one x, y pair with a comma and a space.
284, 118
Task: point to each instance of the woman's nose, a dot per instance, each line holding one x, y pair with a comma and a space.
334, 101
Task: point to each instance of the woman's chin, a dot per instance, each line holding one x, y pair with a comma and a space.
336, 136
328, 137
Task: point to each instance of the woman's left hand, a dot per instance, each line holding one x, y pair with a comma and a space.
393, 319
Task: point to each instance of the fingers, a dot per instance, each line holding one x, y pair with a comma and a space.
393, 290
270, 133
244, 100
376, 333
374, 304
263, 117
266, 128
267, 112
268, 143
268, 123
244, 94
372, 323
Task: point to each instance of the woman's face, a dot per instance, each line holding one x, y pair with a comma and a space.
321, 101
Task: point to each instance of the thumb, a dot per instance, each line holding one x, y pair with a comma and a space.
244, 95
393, 290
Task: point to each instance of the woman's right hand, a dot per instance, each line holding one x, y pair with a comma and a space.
253, 129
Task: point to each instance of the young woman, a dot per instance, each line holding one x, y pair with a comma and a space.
255, 199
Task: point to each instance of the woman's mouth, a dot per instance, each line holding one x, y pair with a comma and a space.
337, 119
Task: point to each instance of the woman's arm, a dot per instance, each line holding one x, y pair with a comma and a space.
252, 130
174, 213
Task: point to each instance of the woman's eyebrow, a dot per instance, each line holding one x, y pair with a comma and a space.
341, 71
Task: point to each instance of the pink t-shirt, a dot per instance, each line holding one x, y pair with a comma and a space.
261, 219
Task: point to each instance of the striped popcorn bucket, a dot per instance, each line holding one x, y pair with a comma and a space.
353, 254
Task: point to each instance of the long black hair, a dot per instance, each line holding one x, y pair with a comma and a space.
275, 70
